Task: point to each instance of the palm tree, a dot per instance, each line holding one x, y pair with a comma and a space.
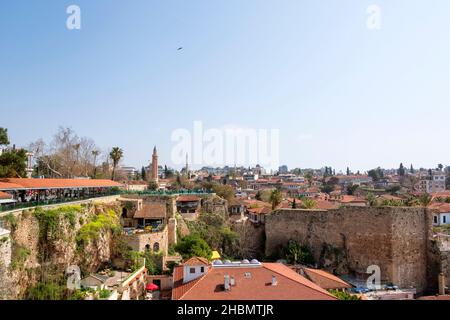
425, 199
116, 154
370, 198
309, 176
294, 204
308, 204
95, 153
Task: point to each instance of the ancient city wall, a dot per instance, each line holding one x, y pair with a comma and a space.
348, 240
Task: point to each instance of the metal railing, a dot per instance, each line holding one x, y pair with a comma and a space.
168, 193
25, 205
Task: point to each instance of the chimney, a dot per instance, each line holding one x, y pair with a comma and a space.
227, 285
274, 281
441, 284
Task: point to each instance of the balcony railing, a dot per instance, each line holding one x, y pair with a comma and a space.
31, 204
168, 193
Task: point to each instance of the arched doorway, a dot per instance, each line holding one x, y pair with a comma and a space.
124, 213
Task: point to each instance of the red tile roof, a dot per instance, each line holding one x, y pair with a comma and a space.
441, 207
196, 261
259, 210
188, 198
4, 195
17, 183
352, 199
290, 285
325, 205
151, 211
180, 288
325, 280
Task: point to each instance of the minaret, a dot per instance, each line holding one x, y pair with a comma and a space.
187, 167
155, 165
29, 169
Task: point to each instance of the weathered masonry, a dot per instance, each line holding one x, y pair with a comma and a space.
349, 240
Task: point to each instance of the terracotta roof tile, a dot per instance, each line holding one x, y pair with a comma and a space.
4, 195
179, 289
441, 207
196, 261
188, 198
325, 280
17, 183
151, 210
257, 286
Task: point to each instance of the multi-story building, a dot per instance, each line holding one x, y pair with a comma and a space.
432, 183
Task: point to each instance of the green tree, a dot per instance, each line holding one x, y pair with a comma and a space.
116, 154
373, 202
193, 246
296, 253
4, 140
294, 204
95, 154
326, 188
351, 189
348, 171
342, 295
224, 191
143, 174
275, 198
401, 170
152, 185
394, 189
309, 177
376, 174
13, 164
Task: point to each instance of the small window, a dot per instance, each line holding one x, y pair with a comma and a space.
444, 219
435, 219
202, 269
192, 270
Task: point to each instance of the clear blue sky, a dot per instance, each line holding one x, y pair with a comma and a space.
341, 94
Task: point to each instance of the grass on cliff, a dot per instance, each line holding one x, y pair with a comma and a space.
11, 220
49, 220
104, 221
20, 255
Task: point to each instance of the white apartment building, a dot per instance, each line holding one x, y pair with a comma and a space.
433, 183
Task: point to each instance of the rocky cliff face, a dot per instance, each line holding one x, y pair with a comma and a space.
45, 242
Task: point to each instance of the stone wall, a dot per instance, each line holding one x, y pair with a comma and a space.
348, 240
139, 241
5, 261
251, 239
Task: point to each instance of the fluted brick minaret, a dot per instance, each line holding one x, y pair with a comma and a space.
155, 165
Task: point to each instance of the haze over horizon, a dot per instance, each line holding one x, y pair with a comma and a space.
339, 93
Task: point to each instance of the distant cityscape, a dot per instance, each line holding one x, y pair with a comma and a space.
312, 234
